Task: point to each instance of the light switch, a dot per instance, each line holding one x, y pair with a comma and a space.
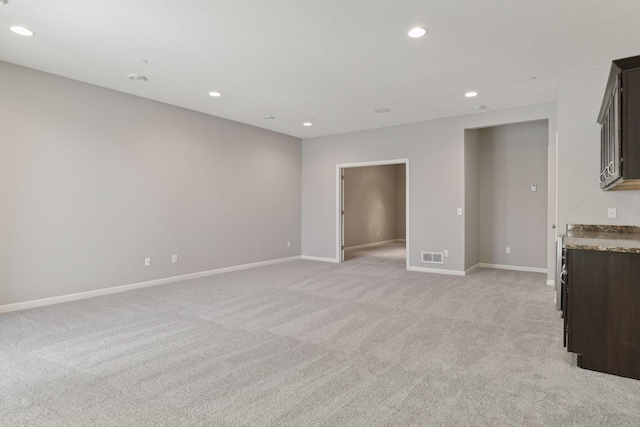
534, 187
459, 211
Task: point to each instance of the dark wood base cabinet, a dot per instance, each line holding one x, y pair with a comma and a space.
602, 311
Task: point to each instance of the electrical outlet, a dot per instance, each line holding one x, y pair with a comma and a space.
174, 258
508, 250
446, 253
147, 262
611, 213
534, 187
288, 244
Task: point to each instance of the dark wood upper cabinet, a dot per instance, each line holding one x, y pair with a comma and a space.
620, 134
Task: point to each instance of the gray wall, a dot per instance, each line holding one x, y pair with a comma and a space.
93, 181
511, 158
401, 201
370, 202
471, 198
580, 200
435, 150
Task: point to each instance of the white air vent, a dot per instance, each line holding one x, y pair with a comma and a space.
433, 257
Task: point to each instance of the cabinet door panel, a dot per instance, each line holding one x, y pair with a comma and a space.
603, 150
631, 123
604, 313
588, 301
616, 153
624, 314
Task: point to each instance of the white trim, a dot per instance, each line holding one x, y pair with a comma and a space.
374, 163
551, 282
367, 245
123, 288
471, 269
401, 240
407, 210
556, 213
317, 258
341, 166
339, 214
436, 271
513, 267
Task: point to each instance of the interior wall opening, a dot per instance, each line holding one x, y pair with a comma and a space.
506, 196
374, 228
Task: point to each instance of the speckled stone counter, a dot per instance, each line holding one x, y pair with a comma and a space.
608, 238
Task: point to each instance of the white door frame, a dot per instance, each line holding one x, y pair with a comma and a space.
339, 168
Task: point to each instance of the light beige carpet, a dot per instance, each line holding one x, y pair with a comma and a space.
363, 343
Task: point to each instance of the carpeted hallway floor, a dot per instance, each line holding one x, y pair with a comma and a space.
363, 343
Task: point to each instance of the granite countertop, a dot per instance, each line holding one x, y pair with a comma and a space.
608, 238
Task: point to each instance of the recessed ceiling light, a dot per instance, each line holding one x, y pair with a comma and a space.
382, 110
471, 94
215, 94
307, 124
417, 32
268, 117
138, 77
22, 31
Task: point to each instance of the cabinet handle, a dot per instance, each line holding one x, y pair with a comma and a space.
610, 167
606, 172
602, 178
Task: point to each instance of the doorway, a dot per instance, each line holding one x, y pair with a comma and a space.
372, 211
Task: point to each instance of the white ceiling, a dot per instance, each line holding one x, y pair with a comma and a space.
332, 61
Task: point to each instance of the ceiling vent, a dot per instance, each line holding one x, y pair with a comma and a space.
137, 77
433, 257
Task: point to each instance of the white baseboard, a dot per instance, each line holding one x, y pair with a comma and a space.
436, 271
123, 288
317, 258
471, 269
551, 282
513, 267
368, 245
